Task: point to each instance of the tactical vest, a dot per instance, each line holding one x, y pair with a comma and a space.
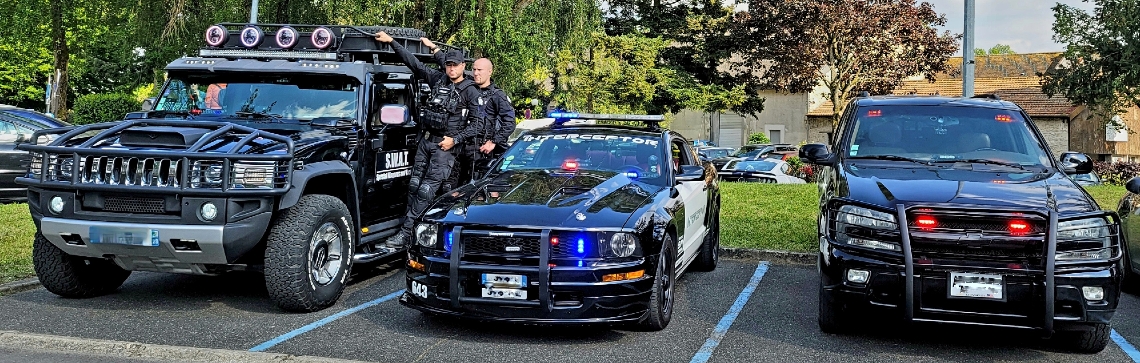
442, 107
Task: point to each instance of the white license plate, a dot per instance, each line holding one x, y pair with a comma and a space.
504, 281
501, 293
124, 236
986, 286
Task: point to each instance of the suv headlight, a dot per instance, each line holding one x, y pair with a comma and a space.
1084, 239
860, 216
622, 244
206, 174
427, 234
36, 165
253, 174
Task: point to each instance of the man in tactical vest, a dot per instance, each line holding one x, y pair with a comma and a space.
449, 119
499, 118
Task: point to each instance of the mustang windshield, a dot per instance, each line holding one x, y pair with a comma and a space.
639, 156
279, 97
938, 134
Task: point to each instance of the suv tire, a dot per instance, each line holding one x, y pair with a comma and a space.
1089, 341
833, 317
71, 276
709, 253
308, 254
661, 300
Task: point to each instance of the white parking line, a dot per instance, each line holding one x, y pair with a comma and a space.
319, 323
721, 329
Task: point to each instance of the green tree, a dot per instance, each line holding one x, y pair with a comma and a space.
616, 74
998, 49
758, 138
844, 45
1102, 55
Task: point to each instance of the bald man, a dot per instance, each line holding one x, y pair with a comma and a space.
499, 120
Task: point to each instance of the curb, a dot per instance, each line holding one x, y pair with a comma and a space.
19, 286
119, 349
787, 257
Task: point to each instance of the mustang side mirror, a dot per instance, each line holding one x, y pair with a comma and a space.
1133, 185
1076, 163
690, 173
816, 154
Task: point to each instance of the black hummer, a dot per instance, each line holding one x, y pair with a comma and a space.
285, 149
952, 210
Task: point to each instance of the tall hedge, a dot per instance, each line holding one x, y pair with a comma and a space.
102, 107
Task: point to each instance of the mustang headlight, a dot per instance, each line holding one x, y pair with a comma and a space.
1084, 239
623, 244
867, 218
427, 234
253, 174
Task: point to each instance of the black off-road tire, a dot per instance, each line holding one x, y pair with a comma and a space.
663, 297
1088, 341
72, 276
288, 264
833, 315
709, 254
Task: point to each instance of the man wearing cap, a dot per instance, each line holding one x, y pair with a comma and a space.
449, 119
499, 122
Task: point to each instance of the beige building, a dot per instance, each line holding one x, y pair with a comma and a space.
782, 120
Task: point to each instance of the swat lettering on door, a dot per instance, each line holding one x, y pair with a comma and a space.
393, 165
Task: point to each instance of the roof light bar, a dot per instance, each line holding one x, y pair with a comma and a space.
242, 53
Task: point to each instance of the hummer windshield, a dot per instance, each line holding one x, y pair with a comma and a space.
278, 97
637, 156
945, 134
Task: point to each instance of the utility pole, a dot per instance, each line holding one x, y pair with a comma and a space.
253, 13
967, 52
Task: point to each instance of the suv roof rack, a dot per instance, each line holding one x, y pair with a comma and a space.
990, 96
345, 43
652, 122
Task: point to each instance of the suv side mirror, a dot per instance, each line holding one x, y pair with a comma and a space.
1076, 163
21, 138
1133, 185
817, 154
394, 115
690, 173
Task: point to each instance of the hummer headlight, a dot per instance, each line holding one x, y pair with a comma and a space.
206, 174
36, 165
426, 234
623, 244
860, 216
253, 174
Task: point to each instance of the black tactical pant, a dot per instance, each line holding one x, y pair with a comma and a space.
461, 173
432, 166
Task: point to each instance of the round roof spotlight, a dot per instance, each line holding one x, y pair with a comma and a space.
251, 36
286, 37
216, 35
322, 38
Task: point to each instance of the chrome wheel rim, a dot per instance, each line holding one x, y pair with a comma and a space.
325, 254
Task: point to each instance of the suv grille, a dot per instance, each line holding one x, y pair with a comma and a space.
120, 171
134, 205
519, 246
979, 236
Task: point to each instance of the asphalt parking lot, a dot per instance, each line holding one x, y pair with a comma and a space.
743, 311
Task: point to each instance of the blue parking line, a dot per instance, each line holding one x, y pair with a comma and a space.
317, 324
1125, 346
721, 329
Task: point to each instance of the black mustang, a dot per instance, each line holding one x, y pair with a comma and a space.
575, 224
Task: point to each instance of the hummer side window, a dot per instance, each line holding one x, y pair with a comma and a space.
382, 97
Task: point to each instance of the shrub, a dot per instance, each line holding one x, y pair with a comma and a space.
1116, 173
758, 138
102, 107
799, 169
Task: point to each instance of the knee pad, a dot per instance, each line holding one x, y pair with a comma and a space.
424, 192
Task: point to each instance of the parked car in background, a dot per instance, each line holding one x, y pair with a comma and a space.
16, 125
769, 171
714, 152
1086, 179
755, 151
703, 143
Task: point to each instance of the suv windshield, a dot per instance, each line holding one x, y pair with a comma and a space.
302, 98
945, 134
613, 153
715, 153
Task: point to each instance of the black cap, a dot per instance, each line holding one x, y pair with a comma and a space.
453, 56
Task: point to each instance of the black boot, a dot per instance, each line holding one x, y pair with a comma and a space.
397, 241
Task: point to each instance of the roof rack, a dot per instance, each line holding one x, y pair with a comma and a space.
345, 43
991, 96
652, 122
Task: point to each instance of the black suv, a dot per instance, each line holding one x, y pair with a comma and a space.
952, 210
283, 149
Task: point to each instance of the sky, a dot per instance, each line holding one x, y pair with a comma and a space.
1025, 25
